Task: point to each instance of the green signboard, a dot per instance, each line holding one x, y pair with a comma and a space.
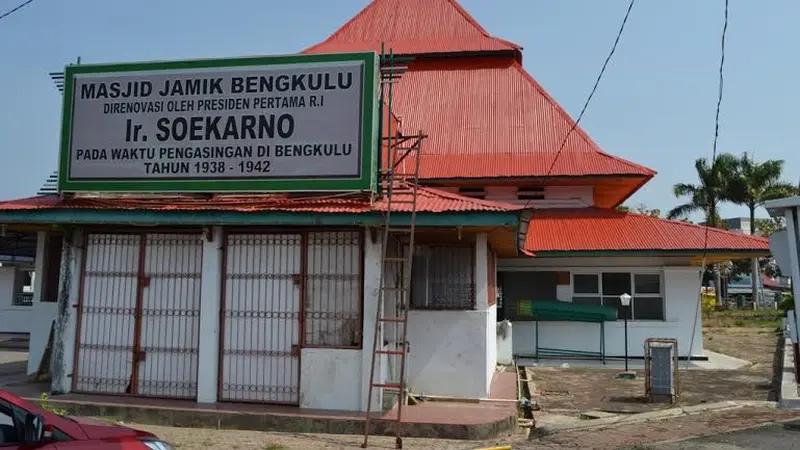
256, 124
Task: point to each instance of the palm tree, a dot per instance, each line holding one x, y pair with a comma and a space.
707, 195
752, 184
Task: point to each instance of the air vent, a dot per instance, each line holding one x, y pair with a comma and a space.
530, 193
473, 192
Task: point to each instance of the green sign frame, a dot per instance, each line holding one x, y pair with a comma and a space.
367, 180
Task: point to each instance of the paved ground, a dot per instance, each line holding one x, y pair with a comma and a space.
573, 390
633, 436
783, 436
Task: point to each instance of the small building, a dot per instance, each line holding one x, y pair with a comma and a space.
17, 251
244, 295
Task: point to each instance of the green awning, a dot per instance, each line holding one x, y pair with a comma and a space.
549, 310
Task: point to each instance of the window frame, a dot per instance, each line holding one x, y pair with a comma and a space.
472, 302
632, 292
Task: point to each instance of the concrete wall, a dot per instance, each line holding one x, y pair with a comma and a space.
682, 322
448, 354
13, 319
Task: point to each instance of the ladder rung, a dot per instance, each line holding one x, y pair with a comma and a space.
390, 352
396, 258
393, 319
392, 386
394, 289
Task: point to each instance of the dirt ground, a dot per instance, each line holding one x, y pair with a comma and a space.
209, 439
628, 436
643, 435
574, 390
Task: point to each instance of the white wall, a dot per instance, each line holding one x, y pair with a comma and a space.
681, 296
329, 379
448, 355
555, 196
13, 319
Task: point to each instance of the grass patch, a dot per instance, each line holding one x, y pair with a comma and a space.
744, 318
274, 447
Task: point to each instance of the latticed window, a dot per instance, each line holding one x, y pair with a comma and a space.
444, 278
333, 289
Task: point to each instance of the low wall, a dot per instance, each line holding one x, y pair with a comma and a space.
448, 354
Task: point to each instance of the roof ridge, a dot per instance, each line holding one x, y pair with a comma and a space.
469, 18
391, 8
345, 26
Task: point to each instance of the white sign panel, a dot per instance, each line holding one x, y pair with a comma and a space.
284, 121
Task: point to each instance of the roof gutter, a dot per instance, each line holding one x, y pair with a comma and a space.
263, 218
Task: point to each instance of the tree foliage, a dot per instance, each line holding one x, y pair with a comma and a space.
752, 183
713, 187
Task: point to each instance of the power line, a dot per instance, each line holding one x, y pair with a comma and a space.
589, 98
594, 88
13, 10
713, 178
716, 119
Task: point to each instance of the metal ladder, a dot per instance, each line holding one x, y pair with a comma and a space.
395, 177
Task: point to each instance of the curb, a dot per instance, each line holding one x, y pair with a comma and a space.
789, 398
648, 416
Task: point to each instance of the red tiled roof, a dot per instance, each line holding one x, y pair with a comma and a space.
428, 200
412, 27
486, 117
593, 229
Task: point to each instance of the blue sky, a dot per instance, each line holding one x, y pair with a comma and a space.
655, 105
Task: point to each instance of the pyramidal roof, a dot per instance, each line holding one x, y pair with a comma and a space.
484, 115
412, 27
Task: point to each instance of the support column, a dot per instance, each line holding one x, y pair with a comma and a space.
72, 254
793, 236
489, 313
38, 332
482, 272
372, 273
210, 300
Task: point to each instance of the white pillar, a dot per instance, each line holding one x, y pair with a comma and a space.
372, 274
489, 313
210, 297
72, 255
793, 235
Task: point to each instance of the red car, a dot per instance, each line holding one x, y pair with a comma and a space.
25, 426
